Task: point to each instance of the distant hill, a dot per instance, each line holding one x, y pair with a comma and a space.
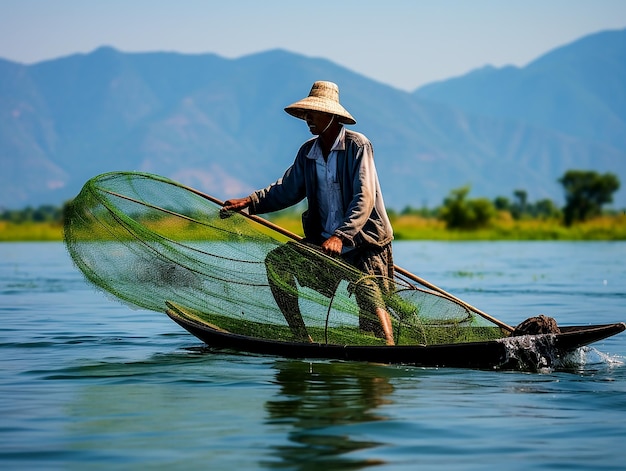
218, 124
578, 90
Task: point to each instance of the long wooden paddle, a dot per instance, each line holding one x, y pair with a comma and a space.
400, 270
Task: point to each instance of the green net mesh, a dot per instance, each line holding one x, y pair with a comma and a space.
149, 240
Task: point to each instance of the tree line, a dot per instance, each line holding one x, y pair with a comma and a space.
45, 213
586, 192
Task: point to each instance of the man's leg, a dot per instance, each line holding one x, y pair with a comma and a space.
385, 322
311, 268
373, 315
282, 283
378, 264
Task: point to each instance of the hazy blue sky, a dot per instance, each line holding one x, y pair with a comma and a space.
404, 43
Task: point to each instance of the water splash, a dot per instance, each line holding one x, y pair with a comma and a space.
590, 358
530, 352
538, 353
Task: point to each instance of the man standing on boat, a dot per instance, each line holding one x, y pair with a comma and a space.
346, 215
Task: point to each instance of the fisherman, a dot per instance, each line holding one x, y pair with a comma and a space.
346, 216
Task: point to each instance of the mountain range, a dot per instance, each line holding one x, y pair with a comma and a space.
218, 124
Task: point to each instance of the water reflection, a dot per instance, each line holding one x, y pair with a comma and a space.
325, 404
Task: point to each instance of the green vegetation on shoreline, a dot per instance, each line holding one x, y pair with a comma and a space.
30, 231
406, 227
413, 227
459, 218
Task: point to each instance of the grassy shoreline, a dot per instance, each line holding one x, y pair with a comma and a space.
405, 228
31, 232
602, 228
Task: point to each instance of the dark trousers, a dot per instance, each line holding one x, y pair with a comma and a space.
368, 270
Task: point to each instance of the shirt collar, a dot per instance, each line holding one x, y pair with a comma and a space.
340, 144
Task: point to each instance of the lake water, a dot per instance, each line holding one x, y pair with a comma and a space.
88, 382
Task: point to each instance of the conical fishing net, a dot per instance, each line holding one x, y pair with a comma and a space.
149, 240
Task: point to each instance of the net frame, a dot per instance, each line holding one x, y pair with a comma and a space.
147, 239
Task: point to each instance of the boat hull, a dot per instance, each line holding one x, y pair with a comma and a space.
493, 354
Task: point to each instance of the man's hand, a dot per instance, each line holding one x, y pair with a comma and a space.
332, 246
234, 205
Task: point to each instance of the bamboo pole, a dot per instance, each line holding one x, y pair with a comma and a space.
400, 270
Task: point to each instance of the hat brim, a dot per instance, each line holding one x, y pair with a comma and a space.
300, 108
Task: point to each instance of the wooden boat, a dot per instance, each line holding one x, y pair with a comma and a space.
528, 352
149, 241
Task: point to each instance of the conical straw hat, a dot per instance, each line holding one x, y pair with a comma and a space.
324, 97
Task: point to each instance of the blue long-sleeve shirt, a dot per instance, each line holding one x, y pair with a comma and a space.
365, 220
